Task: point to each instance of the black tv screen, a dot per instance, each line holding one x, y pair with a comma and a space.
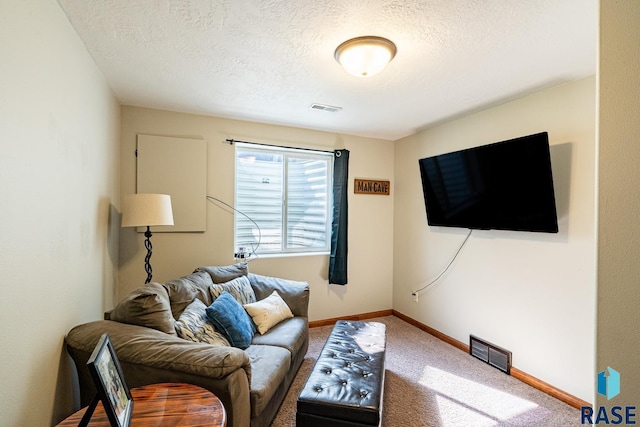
506, 185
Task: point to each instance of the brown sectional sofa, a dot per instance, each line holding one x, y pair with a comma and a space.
251, 383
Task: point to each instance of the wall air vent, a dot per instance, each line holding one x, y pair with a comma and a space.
491, 354
324, 107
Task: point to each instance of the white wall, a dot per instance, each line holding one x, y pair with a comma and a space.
177, 254
59, 181
532, 293
618, 342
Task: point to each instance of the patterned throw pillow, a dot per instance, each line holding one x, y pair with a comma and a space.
239, 288
193, 325
268, 312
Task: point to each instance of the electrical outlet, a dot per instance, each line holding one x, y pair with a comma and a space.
415, 296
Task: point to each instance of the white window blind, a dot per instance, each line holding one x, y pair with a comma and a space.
284, 196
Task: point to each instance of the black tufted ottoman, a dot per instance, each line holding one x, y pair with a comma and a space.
346, 384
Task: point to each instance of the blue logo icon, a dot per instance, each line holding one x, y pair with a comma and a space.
609, 383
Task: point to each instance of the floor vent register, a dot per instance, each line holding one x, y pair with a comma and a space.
492, 354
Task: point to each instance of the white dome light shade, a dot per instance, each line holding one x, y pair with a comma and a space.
365, 56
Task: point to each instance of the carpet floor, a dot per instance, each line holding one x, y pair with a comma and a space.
433, 384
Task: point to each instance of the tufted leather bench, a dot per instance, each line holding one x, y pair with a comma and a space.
346, 384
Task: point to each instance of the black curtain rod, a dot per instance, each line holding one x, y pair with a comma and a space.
233, 141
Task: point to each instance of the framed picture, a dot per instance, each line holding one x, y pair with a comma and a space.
112, 388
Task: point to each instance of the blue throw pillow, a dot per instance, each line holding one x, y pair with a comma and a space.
231, 319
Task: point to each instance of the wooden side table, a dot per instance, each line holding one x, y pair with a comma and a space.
165, 404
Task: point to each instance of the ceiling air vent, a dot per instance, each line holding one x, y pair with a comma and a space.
324, 107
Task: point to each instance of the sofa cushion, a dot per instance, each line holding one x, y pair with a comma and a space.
239, 288
194, 325
291, 334
269, 366
147, 306
268, 312
228, 316
222, 274
184, 290
295, 294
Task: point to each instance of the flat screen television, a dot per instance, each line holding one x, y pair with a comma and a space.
506, 185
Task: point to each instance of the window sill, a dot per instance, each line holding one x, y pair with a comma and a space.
283, 255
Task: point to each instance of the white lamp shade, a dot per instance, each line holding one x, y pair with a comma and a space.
147, 210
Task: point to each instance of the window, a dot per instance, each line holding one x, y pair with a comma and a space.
283, 200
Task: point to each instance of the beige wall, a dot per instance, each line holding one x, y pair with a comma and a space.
59, 182
618, 339
177, 254
532, 293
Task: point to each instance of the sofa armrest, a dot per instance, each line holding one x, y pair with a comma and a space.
148, 356
146, 346
294, 293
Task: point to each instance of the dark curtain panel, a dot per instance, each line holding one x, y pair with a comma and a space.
338, 258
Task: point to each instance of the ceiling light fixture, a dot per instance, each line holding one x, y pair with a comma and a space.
365, 56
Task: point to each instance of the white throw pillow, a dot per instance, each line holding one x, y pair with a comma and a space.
268, 312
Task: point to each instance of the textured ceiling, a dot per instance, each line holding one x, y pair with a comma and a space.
269, 60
